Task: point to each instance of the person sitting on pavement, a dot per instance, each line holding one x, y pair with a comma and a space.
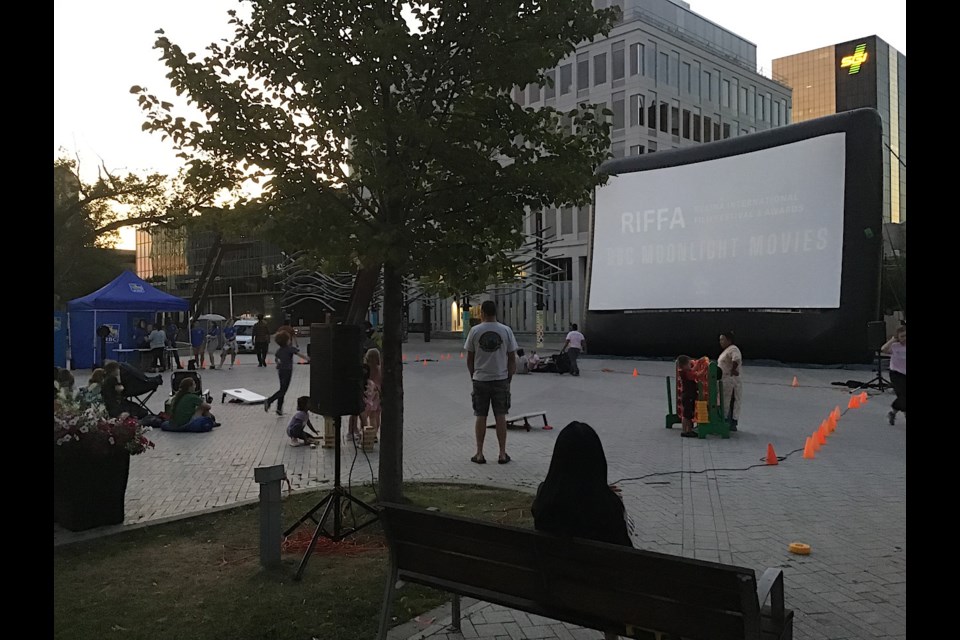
297, 429
188, 411
91, 394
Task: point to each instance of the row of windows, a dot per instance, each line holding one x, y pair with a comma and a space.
680, 121
666, 69
562, 221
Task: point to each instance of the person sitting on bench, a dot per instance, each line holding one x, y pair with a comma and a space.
575, 499
188, 411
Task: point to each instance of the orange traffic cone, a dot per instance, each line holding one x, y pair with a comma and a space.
824, 429
461, 355
863, 397
819, 438
635, 374
808, 450
771, 455
424, 362
852, 404
795, 383
831, 423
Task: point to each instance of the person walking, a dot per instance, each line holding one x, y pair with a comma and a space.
157, 339
261, 340
492, 361
574, 346
284, 356
198, 340
214, 342
896, 346
730, 362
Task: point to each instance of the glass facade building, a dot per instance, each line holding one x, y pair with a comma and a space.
866, 72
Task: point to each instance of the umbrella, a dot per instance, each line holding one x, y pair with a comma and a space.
212, 317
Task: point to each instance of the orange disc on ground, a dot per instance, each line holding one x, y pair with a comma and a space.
799, 548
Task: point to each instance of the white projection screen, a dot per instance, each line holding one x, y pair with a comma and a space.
758, 230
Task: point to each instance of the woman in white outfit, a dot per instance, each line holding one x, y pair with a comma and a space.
730, 363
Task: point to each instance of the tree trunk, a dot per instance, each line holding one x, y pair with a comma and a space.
391, 429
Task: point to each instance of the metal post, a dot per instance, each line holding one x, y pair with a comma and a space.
427, 321
538, 271
230, 292
269, 479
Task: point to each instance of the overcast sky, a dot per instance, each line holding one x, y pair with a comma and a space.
103, 47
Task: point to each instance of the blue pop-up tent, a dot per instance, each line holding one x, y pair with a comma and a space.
114, 305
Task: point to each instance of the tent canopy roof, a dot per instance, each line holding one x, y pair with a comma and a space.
128, 293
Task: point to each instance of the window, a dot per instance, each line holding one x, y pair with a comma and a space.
716, 126
549, 222
617, 149
560, 269
752, 101
636, 150
617, 58
651, 146
707, 129
726, 130
599, 69
743, 99
664, 117
652, 112
767, 107
663, 69
675, 118
685, 77
650, 65
637, 54
583, 74
618, 115
673, 69
533, 93
760, 110
566, 79
695, 80
776, 113
566, 221
735, 127
686, 123
706, 91
725, 93
550, 89
583, 220
636, 110
734, 88
696, 125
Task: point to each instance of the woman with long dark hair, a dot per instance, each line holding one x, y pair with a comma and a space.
575, 499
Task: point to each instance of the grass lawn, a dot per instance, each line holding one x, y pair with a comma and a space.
201, 579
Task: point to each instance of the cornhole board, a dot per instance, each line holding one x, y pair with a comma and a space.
242, 395
522, 421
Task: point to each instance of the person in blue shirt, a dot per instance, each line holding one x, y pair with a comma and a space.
140, 335
229, 344
198, 340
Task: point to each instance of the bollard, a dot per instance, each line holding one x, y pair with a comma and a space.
269, 479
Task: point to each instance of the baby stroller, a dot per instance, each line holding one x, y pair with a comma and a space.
138, 387
178, 376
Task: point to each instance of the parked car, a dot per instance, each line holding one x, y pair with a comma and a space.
244, 335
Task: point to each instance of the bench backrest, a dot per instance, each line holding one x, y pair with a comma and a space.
579, 581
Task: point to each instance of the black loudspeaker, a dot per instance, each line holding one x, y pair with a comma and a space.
336, 372
876, 334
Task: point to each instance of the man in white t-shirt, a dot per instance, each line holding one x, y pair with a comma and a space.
573, 346
492, 361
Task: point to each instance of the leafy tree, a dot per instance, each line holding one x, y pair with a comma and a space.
87, 219
381, 143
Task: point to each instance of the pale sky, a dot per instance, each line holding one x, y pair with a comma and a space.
103, 47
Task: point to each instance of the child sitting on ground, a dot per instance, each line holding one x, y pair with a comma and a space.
688, 395
300, 423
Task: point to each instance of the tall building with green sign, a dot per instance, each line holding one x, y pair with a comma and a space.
866, 72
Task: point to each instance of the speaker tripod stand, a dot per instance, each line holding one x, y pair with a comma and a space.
332, 503
878, 382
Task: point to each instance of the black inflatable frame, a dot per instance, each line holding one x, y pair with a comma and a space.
824, 336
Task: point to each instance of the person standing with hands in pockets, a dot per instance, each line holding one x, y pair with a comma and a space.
492, 362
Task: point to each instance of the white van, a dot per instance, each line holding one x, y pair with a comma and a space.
244, 335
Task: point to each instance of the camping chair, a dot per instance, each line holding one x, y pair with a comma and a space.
138, 387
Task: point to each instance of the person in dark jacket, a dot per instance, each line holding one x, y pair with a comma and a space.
261, 340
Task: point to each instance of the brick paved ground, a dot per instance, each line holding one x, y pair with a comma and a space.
849, 504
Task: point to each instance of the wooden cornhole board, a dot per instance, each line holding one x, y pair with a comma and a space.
243, 395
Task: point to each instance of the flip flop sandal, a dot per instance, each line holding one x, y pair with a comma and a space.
504, 460
478, 459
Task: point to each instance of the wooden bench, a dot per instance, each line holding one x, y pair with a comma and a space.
633, 593
512, 421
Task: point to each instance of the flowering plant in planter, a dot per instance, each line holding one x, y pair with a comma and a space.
86, 427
